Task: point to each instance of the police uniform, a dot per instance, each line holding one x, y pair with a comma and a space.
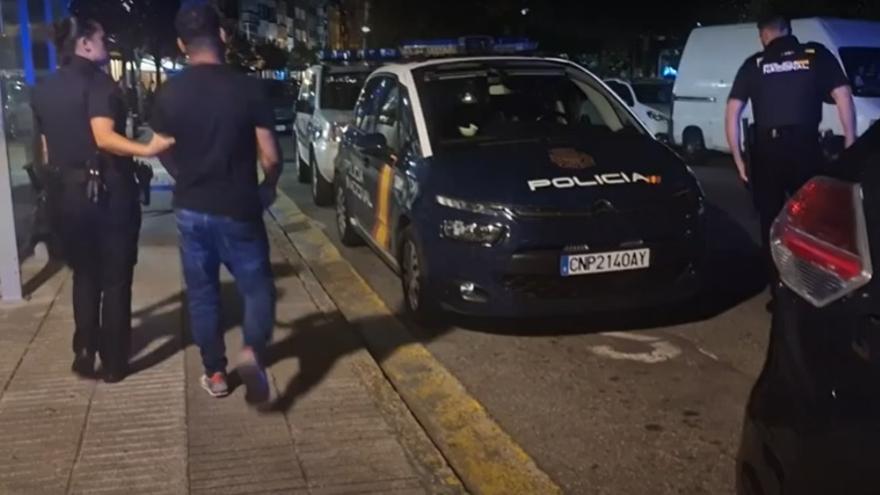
787, 84
99, 238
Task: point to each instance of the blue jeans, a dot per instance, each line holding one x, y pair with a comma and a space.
206, 241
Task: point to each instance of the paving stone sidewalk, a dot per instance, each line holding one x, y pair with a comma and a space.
336, 427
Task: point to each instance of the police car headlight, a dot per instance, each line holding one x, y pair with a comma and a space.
489, 209
486, 234
659, 117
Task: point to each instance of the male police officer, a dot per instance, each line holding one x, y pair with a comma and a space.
787, 84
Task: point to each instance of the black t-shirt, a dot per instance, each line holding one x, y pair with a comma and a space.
788, 82
213, 112
63, 105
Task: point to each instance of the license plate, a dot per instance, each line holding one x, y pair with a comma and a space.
280, 128
612, 261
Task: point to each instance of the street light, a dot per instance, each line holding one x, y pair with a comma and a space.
366, 29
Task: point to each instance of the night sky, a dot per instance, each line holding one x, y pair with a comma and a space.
577, 24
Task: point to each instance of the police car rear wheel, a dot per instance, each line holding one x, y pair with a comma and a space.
694, 146
322, 190
347, 234
420, 303
302, 170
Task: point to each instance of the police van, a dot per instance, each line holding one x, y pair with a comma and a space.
508, 185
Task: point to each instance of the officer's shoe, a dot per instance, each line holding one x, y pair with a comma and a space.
115, 375
84, 364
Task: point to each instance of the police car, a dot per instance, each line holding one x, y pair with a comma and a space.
505, 185
323, 108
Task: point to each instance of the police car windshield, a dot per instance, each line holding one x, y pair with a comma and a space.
863, 68
499, 102
653, 92
340, 91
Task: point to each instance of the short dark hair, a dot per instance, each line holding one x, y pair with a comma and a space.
775, 21
198, 25
68, 31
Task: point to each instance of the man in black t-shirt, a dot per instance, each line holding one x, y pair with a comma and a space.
222, 122
786, 84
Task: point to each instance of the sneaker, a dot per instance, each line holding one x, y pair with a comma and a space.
215, 384
254, 378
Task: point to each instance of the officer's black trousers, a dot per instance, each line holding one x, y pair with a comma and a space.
100, 245
782, 162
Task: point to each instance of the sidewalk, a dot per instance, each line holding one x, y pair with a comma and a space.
338, 428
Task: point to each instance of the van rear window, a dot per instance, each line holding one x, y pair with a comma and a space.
862, 65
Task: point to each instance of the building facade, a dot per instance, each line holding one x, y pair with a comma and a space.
346, 19
285, 23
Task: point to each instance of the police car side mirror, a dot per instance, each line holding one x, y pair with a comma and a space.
373, 144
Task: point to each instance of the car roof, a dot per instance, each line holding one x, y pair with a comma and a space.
347, 69
400, 69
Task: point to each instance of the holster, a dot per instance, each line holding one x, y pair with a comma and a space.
95, 186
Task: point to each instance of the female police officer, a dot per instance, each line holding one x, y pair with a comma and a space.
80, 116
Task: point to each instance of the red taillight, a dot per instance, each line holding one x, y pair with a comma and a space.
819, 241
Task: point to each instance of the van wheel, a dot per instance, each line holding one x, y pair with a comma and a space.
419, 297
694, 146
302, 168
322, 190
347, 234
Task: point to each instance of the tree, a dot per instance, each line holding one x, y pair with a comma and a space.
302, 57
270, 56
240, 52
135, 27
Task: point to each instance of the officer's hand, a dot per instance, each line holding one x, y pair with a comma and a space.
159, 143
741, 168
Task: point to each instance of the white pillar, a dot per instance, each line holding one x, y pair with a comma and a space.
10, 271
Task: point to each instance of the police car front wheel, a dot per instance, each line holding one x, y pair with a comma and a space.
322, 189
420, 301
302, 168
347, 234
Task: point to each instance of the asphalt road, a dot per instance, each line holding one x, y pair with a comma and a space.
642, 402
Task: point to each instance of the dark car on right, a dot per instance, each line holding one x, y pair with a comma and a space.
812, 422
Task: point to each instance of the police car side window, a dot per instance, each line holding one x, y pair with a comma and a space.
388, 120
368, 105
623, 91
409, 137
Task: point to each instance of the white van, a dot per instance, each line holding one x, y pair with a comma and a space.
713, 55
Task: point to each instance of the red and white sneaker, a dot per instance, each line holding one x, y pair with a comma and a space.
215, 384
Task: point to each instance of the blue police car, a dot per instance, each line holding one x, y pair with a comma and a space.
515, 186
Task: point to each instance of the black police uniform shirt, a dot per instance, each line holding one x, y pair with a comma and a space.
63, 105
788, 82
213, 112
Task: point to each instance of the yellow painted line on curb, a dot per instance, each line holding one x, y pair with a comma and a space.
486, 458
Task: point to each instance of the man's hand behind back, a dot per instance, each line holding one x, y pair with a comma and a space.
268, 194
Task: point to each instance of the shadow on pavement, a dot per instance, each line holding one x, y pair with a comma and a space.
49, 270
166, 319
318, 341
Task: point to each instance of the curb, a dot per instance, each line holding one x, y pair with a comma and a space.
486, 458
